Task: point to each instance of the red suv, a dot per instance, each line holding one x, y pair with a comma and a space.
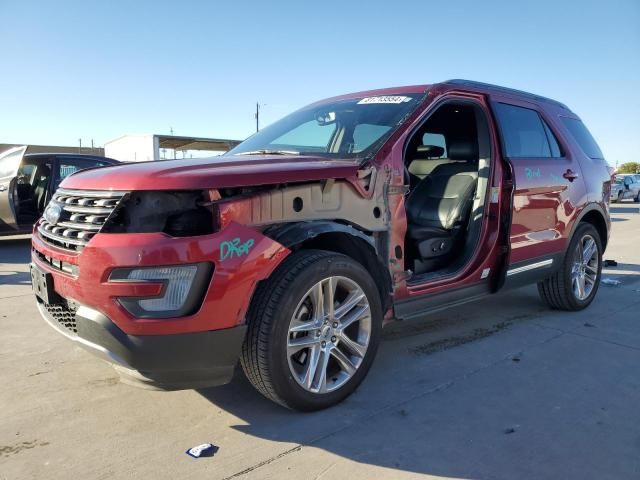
291, 251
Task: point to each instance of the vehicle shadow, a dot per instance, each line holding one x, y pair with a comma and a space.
387, 389
15, 255
625, 208
629, 272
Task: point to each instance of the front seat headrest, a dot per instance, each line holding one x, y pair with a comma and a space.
45, 171
463, 150
430, 151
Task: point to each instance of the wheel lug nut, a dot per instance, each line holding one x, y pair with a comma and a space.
324, 344
318, 333
335, 324
333, 339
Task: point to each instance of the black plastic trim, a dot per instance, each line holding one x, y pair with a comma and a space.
168, 362
534, 275
430, 303
587, 209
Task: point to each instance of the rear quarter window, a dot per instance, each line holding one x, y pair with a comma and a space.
583, 137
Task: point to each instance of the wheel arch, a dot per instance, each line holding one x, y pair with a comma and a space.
339, 238
594, 215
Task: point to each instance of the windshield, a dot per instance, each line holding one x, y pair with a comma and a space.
348, 129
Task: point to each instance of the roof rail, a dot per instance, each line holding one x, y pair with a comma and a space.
507, 90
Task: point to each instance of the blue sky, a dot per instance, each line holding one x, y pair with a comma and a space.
101, 69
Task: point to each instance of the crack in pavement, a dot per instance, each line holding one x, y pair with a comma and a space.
16, 296
264, 462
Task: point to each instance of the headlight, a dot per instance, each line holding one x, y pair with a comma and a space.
183, 289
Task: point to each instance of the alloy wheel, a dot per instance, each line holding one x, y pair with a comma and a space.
329, 334
584, 271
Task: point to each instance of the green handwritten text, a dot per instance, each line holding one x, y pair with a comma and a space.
235, 248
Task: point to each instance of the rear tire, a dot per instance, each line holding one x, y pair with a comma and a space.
291, 336
574, 286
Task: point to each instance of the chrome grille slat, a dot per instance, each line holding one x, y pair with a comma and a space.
90, 193
58, 238
84, 212
80, 226
80, 209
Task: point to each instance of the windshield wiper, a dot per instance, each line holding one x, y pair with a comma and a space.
269, 152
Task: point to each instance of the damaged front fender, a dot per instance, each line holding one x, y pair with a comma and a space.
243, 257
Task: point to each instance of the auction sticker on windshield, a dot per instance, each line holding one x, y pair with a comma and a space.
384, 99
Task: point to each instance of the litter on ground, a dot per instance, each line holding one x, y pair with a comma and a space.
204, 450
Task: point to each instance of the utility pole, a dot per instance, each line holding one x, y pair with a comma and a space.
80, 145
171, 130
92, 145
257, 116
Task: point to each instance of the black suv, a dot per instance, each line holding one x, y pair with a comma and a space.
28, 181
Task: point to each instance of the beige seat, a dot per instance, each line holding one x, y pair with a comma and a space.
426, 159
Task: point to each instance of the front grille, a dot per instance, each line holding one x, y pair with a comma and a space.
63, 315
84, 212
57, 264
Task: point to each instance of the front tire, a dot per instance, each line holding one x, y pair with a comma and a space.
574, 286
314, 328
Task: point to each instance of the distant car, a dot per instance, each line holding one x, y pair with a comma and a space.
625, 186
28, 181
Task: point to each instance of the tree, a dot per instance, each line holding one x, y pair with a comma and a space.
629, 167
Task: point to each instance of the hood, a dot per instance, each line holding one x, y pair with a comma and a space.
214, 172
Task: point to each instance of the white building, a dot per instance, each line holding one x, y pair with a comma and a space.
145, 147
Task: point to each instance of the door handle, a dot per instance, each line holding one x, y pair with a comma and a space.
570, 175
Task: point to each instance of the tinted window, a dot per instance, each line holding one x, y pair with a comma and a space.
583, 137
67, 166
311, 134
435, 139
360, 126
553, 142
524, 133
365, 134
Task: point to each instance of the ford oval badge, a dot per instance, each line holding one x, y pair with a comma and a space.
52, 213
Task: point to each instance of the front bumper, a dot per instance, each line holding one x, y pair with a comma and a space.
193, 351
167, 362
85, 278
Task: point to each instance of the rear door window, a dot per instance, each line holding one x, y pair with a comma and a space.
524, 133
67, 166
553, 142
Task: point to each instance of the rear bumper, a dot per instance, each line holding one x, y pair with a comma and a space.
167, 362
